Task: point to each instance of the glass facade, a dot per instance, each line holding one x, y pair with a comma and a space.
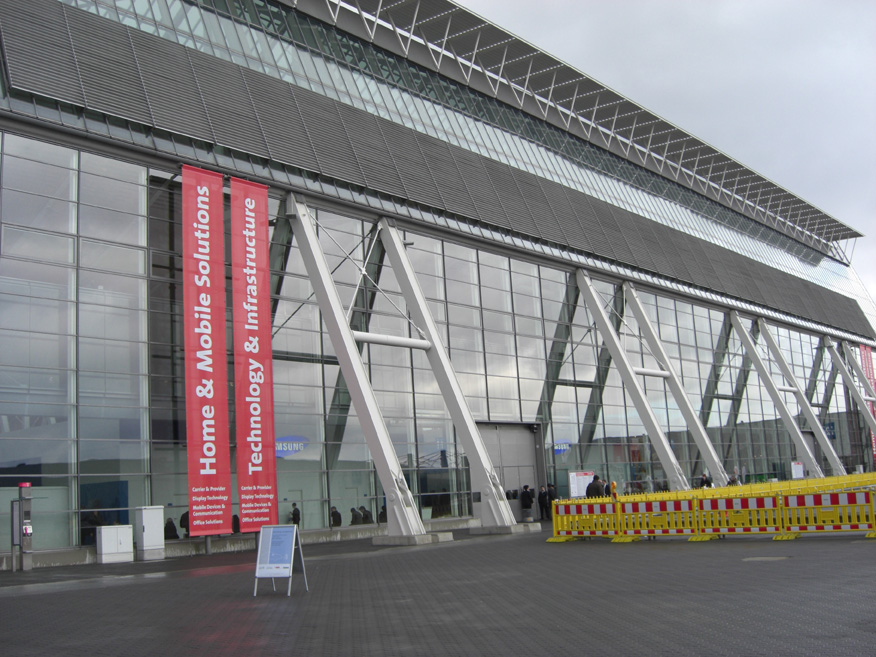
92, 361
92, 403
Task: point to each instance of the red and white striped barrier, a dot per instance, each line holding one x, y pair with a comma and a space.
585, 519
739, 515
828, 512
660, 518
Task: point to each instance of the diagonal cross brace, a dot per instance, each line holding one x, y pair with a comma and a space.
403, 519
593, 301
494, 509
701, 438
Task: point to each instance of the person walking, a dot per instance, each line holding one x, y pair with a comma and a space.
335, 517
295, 514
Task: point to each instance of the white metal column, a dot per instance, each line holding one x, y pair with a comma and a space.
629, 374
495, 510
403, 519
836, 465
849, 380
803, 451
707, 450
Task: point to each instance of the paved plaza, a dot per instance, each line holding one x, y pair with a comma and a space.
476, 595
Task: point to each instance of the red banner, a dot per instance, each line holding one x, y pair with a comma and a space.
253, 375
206, 368
867, 365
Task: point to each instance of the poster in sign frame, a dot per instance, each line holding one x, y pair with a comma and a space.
279, 555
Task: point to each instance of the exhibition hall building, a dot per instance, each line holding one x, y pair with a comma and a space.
391, 259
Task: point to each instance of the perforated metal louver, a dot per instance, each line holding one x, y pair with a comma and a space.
37, 50
171, 87
329, 137
280, 120
375, 160
229, 105
100, 46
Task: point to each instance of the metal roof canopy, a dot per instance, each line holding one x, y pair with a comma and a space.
449, 39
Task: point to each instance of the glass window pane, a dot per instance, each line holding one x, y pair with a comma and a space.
38, 212
112, 225
36, 246
36, 279
39, 178
114, 194
28, 349
112, 290
111, 168
39, 150
34, 314
100, 255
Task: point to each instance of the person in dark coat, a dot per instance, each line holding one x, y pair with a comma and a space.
553, 495
526, 503
544, 504
355, 516
335, 517
595, 488
170, 530
295, 514
526, 498
367, 518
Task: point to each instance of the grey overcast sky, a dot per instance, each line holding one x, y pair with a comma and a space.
786, 87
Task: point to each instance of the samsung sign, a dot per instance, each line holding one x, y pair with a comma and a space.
562, 447
290, 445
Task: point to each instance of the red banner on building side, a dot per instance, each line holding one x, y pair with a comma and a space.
253, 375
205, 356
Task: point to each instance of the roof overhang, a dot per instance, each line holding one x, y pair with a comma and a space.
447, 38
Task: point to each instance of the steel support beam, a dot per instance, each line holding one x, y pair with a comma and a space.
827, 398
557, 355
849, 380
594, 302
836, 466
816, 369
603, 364
701, 438
360, 319
403, 518
278, 257
739, 389
494, 510
803, 451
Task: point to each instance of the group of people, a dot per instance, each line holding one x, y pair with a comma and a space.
360, 516
546, 497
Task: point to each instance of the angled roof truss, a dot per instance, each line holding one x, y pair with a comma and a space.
448, 38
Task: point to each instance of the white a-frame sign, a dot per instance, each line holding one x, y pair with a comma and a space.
279, 545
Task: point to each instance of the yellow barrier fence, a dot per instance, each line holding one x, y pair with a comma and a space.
783, 509
578, 519
718, 516
662, 518
831, 512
